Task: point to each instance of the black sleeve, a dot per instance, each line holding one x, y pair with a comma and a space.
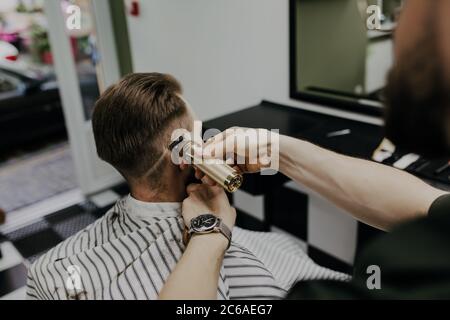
440, 207
414, 261
324, 290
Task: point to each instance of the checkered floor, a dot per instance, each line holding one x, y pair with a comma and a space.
23, 246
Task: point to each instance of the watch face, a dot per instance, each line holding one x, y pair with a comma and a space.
203, 223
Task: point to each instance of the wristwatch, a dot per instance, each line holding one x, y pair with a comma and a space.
204, 224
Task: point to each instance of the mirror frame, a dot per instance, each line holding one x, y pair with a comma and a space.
330, 102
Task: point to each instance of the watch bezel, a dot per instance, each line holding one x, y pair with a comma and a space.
202, 228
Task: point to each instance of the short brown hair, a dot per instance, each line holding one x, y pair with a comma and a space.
131, 116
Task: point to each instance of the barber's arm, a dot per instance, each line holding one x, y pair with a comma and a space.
196, 275
373, 193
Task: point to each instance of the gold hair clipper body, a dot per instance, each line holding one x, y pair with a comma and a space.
221, 173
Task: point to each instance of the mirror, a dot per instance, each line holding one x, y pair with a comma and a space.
342, 51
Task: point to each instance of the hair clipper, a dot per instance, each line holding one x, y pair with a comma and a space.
221, 173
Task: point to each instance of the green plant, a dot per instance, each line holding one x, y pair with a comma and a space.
21, 7
39, 39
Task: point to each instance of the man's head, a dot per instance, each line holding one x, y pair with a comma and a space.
418, 91
133, 121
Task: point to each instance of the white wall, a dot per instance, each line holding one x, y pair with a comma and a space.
228, 54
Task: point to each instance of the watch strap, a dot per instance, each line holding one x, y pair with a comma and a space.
220, 228
223, 229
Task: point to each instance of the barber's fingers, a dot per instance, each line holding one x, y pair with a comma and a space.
199, 174
237, 168
208, 181
213, 191
192, 188
222, 135
197, 188
225, 142
203, 191
204, 178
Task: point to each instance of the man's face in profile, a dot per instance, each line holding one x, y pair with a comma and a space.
418, 90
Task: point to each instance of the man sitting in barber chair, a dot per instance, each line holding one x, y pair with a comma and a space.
131, 251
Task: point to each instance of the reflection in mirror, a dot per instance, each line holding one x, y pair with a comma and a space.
338, 53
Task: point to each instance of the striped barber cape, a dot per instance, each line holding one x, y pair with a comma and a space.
130, 252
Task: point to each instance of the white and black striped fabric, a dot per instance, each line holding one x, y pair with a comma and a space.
130, 252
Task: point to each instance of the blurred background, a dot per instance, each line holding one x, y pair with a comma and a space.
35, 158
310, 68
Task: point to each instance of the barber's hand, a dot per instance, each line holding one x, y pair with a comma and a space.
207, 199
248, 157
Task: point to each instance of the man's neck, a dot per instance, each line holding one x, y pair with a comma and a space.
171, 187
148, 195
